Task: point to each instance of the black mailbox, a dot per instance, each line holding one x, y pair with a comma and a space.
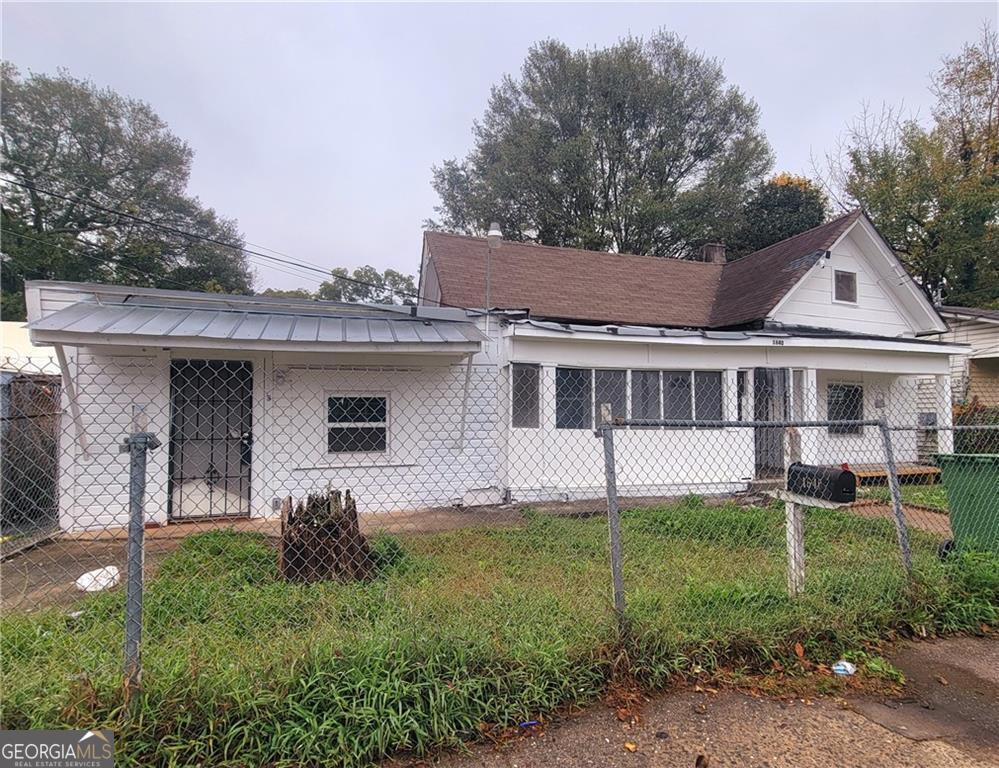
825, 483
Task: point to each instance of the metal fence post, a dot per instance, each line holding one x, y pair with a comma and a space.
613, 512
136, 446
901, 529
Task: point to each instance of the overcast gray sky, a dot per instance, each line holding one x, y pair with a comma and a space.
316, 126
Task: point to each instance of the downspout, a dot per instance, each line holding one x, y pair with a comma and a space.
69, 387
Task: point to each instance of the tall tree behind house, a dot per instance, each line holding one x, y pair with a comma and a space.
69, 146
933, 190
640, 147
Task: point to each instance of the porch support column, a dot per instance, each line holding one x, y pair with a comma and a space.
546, 435
945, 414
460, 446
810, 395
730, 388
809, 412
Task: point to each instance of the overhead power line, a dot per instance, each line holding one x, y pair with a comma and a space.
94, 257
327, 274
102, 193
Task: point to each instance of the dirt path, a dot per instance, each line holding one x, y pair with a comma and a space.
950, 724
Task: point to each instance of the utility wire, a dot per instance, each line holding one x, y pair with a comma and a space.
94, 257
78, 185
204, 238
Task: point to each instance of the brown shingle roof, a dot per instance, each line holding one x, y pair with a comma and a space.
573, 284
600, 287
750, 287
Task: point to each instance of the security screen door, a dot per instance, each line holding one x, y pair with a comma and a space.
210, 438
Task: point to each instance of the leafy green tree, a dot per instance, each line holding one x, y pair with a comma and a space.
780, 207
291, 293
933, 190
639, 147
367, 284
68, 147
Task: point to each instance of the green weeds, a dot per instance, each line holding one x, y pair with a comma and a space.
471, 629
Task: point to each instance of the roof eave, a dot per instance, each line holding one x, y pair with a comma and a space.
68, 338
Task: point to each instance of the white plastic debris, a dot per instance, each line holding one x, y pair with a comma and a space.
843, 667
99, 580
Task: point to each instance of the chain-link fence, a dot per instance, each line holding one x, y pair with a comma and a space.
333, 563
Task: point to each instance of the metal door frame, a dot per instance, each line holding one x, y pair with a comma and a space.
241, 371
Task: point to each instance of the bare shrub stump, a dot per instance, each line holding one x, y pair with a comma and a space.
321, 539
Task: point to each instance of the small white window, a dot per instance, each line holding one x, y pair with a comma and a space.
845, 402
845, 286
525, 410
357, 424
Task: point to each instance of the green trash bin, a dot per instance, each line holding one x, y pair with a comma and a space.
972, 483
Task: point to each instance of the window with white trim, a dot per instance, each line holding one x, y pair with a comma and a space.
677, 388
645, 399
573, 398
525, 395
611, 387
845, 286
357, 423
708, 395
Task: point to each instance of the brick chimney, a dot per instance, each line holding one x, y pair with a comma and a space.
713, 253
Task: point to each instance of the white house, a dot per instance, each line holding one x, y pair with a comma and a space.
436, 404
975, 372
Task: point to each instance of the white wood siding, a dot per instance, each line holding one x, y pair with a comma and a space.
983, 339
876, 312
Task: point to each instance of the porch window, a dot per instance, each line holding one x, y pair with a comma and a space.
845, 286
692, 395
676, 395
645, 398
525, 395
708, 395
357, 424
845, 402
573, 398
610, 387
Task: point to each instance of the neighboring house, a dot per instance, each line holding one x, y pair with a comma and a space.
430, 405
29, 424
975, 371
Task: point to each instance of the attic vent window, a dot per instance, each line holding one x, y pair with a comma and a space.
845, 286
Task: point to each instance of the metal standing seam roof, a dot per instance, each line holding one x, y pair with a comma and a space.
235, 325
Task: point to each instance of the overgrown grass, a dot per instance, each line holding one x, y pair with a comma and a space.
932, 496
461, 629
